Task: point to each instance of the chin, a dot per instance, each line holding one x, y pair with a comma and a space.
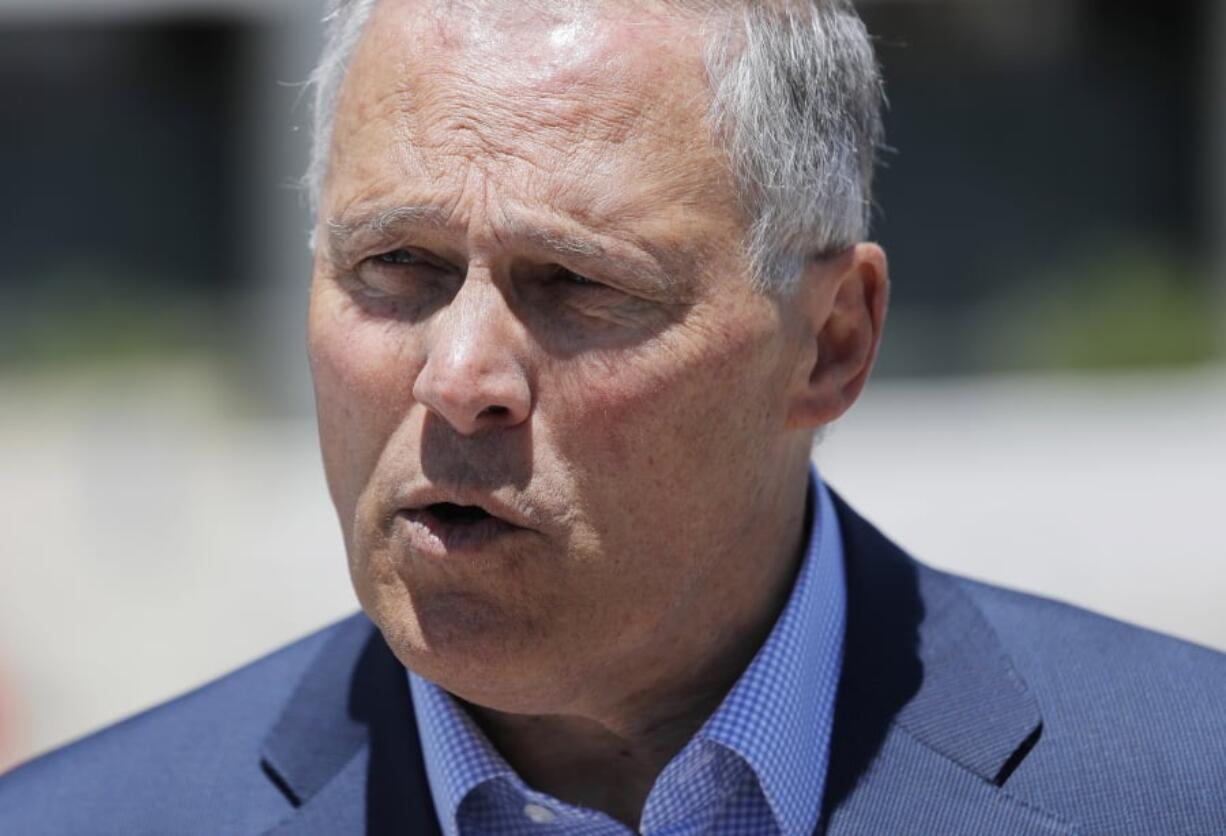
468, 645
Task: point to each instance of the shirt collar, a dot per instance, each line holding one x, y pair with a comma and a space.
780, 714
459, 757
777, 717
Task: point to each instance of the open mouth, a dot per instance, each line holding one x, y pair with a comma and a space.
452, 514
445, 527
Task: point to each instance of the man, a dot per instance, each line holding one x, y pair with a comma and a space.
589, 277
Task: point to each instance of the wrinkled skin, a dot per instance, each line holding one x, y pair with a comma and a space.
561, 324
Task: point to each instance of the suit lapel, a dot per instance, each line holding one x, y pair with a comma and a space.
931, 717
910, 789
345, 750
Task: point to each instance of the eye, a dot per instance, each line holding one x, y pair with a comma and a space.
403, 258
570, 277
402, 264
400, 274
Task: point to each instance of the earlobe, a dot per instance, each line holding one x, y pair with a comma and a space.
844, 302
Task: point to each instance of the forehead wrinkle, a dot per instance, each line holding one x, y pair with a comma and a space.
579, 94
576, 91
496, 109
456, 111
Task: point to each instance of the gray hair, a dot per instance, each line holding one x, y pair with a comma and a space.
796, 104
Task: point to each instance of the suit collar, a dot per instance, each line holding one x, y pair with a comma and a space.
345, 750
925, 682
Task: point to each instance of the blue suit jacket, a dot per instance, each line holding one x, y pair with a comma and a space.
963, 708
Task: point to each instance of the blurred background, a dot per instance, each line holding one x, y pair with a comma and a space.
1049, 413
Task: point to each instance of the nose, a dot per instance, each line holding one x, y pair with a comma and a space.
473, 377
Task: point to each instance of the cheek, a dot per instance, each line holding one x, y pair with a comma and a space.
674, 410
665, 450
363, 371
367, 357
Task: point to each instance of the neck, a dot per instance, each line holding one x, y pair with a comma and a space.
609, 756
584, 762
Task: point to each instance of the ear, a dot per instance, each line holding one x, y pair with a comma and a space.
842, 301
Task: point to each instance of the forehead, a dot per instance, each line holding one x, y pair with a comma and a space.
580, 105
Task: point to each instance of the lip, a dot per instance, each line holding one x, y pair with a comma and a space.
434, 535
416, 499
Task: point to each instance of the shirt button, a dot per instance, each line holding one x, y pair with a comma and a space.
538, 814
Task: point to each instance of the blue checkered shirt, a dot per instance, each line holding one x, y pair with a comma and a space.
756, 767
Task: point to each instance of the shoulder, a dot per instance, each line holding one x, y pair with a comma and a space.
192, 762
1088, 663
1129, 715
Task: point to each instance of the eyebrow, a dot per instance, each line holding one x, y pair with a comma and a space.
383, 225
385, 222
379, 225
556, 242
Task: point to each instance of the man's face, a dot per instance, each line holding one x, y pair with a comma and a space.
552, 409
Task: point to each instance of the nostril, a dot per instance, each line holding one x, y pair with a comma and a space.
495, 411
